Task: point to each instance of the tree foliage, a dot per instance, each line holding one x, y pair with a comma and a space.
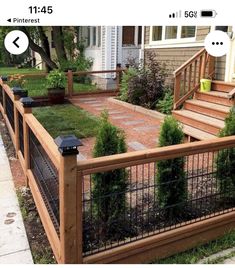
109, 188
171, 180
146, 88
225, 160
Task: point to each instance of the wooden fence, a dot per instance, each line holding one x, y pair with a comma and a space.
63, 191
85, 82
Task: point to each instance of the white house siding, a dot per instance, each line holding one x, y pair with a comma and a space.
95, 54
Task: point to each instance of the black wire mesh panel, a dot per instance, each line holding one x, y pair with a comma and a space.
147, 206
1, 95
46, 176
10, 111
21, 134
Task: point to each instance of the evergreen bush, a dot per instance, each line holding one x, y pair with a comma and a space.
165, 105
109, 188
171, 179
225, 160
131, 72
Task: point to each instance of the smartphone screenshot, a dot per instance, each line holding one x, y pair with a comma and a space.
117, 133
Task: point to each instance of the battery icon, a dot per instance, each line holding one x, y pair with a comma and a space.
208, 13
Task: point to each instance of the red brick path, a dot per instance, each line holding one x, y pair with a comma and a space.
139, 128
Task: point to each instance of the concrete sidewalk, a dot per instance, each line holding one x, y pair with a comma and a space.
14, 246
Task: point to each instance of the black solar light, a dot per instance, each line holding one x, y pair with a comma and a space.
67, 145
20, 92
27, 101
4, 78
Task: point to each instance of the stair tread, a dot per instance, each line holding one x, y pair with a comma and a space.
197, 133
216, 93
223, 83
202, 118
210, 105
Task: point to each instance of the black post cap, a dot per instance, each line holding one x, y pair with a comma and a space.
67, 145
27, 101
20, 92
119, 65
4, 78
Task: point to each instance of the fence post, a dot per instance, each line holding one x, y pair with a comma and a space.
118, 76
70, 83
27, 103
18, 93
4, 79
177, 89
70, 201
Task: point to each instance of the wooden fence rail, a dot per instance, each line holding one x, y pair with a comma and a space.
39, 158
61, 203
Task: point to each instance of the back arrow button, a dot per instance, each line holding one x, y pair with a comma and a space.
14, 42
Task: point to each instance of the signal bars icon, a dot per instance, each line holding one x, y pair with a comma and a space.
175, 14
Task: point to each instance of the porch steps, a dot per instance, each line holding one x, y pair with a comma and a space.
217, 97
197, 133
203, 116
222, 86
206, 123
207, 108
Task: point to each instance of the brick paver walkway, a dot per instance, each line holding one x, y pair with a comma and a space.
141, 130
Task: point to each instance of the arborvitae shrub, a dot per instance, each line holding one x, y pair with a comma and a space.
109, 188
131, 72
171, 178
165, 105
225, 160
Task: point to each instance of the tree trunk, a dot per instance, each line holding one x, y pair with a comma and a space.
59, 43
45, 45
49, 62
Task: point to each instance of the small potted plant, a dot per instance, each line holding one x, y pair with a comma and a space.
56, 82
17, 80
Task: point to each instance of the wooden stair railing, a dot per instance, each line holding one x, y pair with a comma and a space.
187, 77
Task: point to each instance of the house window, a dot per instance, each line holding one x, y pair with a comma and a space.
128, 35
188, 31
93, 36
156, 33
139, 35
222, 28
171, 32
88, 36
99, 36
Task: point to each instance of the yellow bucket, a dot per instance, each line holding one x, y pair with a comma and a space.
205, 85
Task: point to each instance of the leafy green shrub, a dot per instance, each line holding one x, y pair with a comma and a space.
131, 72
109, 200
225, 160
147, 88
171, 179
56, 79
165, 105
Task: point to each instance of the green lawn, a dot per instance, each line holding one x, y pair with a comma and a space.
67, 119
192, 256
14, 70
37, 86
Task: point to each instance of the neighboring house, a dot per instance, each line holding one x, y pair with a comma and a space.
174, 45
109, 45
